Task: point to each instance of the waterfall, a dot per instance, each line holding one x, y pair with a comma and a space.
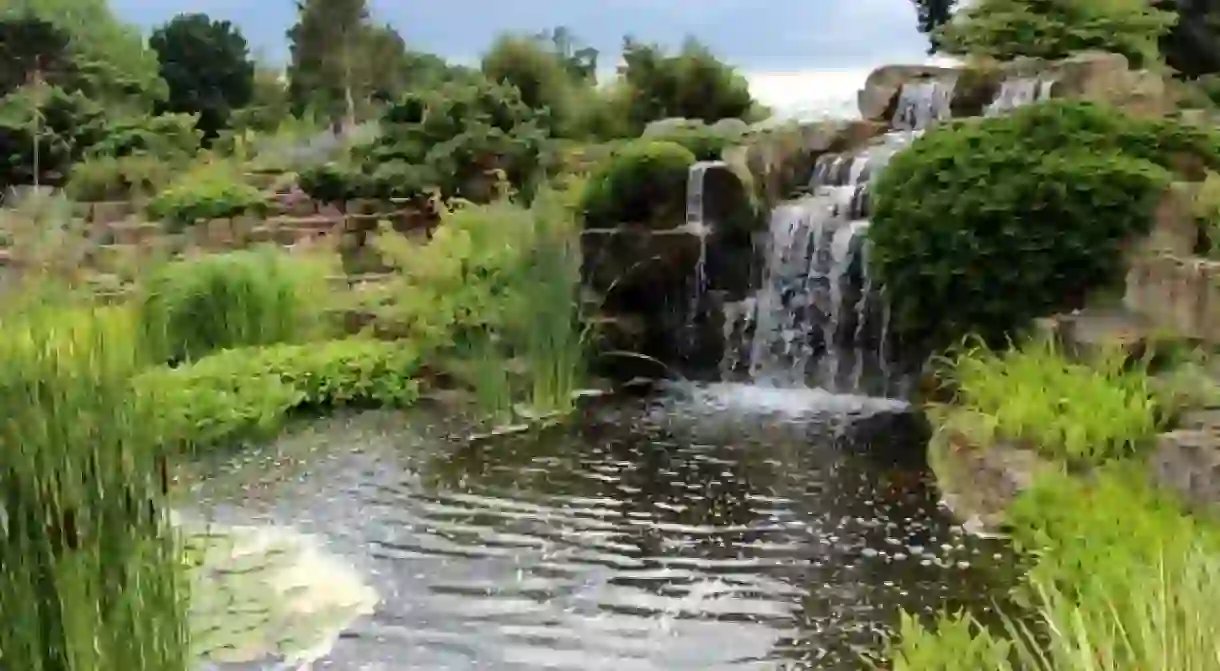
1017, 92
696, 221
924, 102
817, 304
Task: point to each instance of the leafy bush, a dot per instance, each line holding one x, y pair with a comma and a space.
170, 137
107, 178
212, 191
1036, 397
497, 282
64, 124
193, 307
706, 142
692, 84
982, 225
1005, 29
645, 182
456, 139
538, 74
247, 393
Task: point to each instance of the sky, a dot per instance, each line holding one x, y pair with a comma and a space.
798, 54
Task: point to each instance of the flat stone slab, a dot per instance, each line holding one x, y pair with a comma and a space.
268, 593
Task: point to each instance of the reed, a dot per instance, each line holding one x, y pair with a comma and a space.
90, 571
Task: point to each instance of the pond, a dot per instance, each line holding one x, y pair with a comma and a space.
713, 527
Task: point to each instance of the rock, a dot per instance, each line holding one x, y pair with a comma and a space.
879, 97
1177, 294
1187, 462
631, 260
1091, 332
979, 483
779, 161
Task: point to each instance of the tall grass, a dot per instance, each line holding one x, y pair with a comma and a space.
90, 577
1124, 581
191, 307
497, 288
1037, 397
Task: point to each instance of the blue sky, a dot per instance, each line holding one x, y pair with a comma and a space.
783, 44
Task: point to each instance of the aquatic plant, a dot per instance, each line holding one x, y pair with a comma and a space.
1036, 397
251, 297
90, 572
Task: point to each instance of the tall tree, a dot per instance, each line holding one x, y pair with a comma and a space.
326, 44
109, 55
932, 14
32, 50
207, 68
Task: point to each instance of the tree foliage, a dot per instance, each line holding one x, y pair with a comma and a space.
341, 61
109, 56
31, 49
207, 68
455, 139
43, 131
931, 15
1005, 29
692, 84
981, 226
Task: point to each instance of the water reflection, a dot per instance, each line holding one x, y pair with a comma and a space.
722, 527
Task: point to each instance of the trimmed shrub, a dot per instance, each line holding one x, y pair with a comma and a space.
981, 226
644, 182
210, 192
247, 393
706, 142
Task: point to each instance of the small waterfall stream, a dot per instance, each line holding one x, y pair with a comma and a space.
1019, 91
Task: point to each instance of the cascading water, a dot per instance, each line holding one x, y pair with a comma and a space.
1018, 92
922, 103
817, 303
696, 220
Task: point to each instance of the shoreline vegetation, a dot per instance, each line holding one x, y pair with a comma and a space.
492, 173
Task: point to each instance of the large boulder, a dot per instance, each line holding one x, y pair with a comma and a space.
780, 160
879, 97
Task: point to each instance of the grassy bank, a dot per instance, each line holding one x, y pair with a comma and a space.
1123, 579
215, 351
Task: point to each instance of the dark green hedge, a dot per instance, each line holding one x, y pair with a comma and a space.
983, 225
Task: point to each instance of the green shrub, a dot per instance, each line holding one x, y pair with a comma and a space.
458, 139
982, 225
645, 182
208, 192
691, 84
192, 307
497, 282
247, 393
65, 125
106, 178
1206, 211
170, 137
1005, 29
1036, 397
706, 142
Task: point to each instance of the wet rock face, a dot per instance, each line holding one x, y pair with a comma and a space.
1094, 76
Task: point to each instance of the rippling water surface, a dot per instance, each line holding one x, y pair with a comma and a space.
722, 527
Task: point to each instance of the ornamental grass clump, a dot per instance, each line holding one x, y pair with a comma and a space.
1036, 397
90, 576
